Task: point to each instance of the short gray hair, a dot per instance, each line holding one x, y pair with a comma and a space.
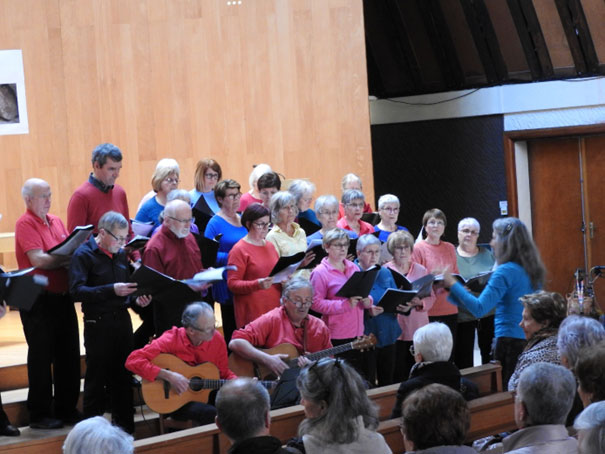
351, 194
350, 177
296, 283
592, 422
472, 222
323, 201
575, 333
257, 172
97, 436
241, 408
387, 198
104, 151
547, 391
278, 201
193, 311
334, 235
298, 188
112, 220
178, 194
434, 342
366, 240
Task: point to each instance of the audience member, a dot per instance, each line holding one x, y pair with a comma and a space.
435, 420
438, 256
590, 425
339, 416
343, 316
520, 271
326, 208
401, 246
99, 277
242, 414
303, 191
99, 194
543, 312
173, 251
97, 436
50, 326
352, 181
253, 195
253, 290
196, 342
227, 224
165, 178
472, 260
590, 371
6, 428
544, 397
431, 349
290, 323
353, 203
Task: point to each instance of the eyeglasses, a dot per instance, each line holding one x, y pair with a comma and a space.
211, 176
412, 350
434, 222
289, 208
301, 303
401, 248
172, 180
237, 195
390, 209
355, 205
182, 221
210, 330
119, 239
328, 213
261, 225
340, 245
469, 232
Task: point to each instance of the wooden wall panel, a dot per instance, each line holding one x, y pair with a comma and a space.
265, 81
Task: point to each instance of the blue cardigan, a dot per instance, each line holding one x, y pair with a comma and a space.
508, 283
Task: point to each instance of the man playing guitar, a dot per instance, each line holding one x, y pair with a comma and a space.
288, 324
196, 342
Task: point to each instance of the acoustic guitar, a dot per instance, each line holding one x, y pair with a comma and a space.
161, 398
245, 368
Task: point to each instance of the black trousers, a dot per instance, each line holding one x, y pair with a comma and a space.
108, 342
380, 365
452, 322
228, 317
355, 358
51, 332
465, 341
507, 351
403, 360
3, 418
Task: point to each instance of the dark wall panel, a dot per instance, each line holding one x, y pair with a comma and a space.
456, 165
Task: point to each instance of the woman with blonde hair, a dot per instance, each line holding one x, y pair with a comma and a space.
165, 178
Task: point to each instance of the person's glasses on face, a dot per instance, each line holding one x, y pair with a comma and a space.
182, 221
390, 209
300, 303
170, 180
436, 222
412, 350
329, 213
119, 239
469, 232
204, 330
339, 245
234, 196
355, 205
260, 225
211, 175
289, 208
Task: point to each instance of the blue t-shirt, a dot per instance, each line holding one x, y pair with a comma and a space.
231, 235
384, 235
508, 283
319, 236
150, 211
309, 215
384, 326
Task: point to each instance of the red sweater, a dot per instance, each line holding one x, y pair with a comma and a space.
179, 258
88, 204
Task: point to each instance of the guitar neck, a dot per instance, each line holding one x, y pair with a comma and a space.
330, 352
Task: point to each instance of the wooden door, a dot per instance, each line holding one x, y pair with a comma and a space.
556, 201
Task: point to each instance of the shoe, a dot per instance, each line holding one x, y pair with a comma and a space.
9, 430
46, 423
73, 418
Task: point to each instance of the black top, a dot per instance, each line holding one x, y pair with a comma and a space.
258, 445
422, 374
92, 274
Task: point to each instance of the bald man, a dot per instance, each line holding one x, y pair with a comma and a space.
50, 327
173, 251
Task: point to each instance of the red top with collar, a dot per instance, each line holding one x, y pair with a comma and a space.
176, 342
364, 227
32, 233
275, 327
176, 257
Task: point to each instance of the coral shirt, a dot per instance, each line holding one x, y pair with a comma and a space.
275, 327
176, 342
364, 227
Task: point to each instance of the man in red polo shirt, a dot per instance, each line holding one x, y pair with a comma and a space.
290, 323
173, 251
50, 327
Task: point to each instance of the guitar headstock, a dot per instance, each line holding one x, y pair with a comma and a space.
364, 342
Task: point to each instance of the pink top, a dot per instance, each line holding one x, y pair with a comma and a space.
364, 227
343, 321
247, 199
436, 257
253, 263
275, 327
418, 317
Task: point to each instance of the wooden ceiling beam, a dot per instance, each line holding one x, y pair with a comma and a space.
485, 39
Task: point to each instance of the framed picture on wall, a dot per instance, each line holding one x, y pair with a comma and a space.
13, 108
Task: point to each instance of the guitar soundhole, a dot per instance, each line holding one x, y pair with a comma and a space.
195, 384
